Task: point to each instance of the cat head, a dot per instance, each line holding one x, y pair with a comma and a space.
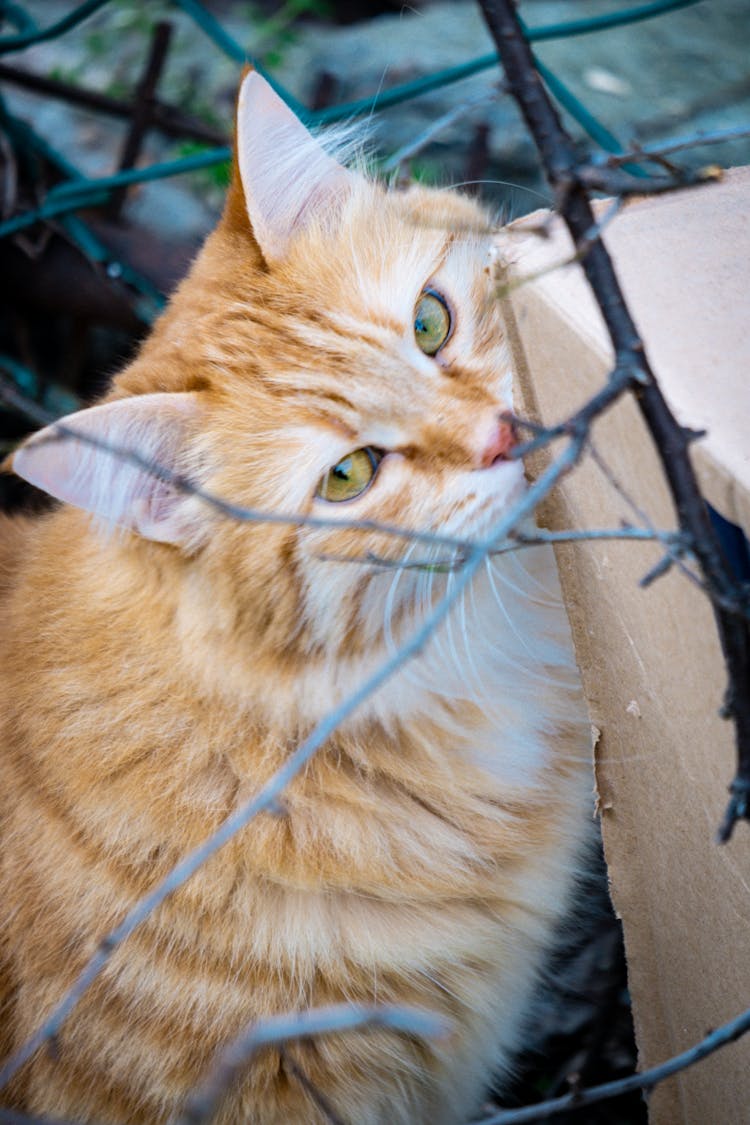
336, 352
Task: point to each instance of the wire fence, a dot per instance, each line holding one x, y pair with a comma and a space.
75, 191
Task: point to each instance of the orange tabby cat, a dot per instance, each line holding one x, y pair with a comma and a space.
335, 351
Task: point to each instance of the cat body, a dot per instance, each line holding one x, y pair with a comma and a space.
158, 671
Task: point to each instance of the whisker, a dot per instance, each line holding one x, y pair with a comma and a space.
494, 572
551, 599
546, 199
390, 640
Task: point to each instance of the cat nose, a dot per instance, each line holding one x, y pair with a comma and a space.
501, 440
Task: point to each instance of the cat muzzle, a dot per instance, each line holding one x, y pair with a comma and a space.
502, 439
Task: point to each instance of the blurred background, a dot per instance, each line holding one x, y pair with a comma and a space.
131, 84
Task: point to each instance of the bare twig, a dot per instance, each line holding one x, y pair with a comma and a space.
62, 431
658, 152
167, 119
672, 442
142, 116
9, 169
512, 284
293, 1068
515, 542
627, 374
677, 556
727, 1033
407, 151
615, 182
204, 1103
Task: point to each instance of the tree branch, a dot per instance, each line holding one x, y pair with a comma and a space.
516, 541
672, 442
727, 1033
207, 1099
659, 152
293, 1068
613, 182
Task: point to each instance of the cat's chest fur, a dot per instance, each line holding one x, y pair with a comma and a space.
419, 858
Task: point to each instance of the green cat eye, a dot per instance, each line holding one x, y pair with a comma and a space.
351, 476
432, 322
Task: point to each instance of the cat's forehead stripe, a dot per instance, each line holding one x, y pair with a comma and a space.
331, 397
390, 324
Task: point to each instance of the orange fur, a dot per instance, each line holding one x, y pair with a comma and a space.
148, 689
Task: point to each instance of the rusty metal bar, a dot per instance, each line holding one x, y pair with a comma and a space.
142, 109
168, 119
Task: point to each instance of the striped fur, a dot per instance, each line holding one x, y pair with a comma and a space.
149, 688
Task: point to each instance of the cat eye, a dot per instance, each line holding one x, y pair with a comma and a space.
432, 322
351, 476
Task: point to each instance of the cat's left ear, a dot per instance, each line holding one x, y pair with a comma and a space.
288, 178
123, 462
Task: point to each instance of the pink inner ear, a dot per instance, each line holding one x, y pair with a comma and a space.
111, 486
287, 176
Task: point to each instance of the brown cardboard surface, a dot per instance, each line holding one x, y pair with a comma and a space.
684, 264
650, 660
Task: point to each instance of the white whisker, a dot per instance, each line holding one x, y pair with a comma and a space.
546, 200
477, 690
551, 598
390, 600
494, 572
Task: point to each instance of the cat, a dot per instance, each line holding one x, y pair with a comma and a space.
336, 351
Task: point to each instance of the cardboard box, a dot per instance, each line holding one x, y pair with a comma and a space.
650, 658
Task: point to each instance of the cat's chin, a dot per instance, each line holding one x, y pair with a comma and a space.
495, 491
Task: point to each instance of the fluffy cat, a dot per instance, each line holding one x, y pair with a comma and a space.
336, 351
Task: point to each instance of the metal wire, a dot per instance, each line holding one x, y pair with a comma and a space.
18, 16
226, 43
41, 35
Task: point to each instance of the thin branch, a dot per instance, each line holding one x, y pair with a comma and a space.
207, 1099
167, 119
62, 431
560, 163
727, 1033
512, 284
738, 603
664, 565
294, 1069
386, 565
624, 532
675, 554
516, 542
597, 178
411, 148
658, 152
625, 376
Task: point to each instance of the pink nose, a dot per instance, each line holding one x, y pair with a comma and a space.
501, 441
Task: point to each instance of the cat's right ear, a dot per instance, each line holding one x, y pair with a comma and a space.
124, 462
287, 177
